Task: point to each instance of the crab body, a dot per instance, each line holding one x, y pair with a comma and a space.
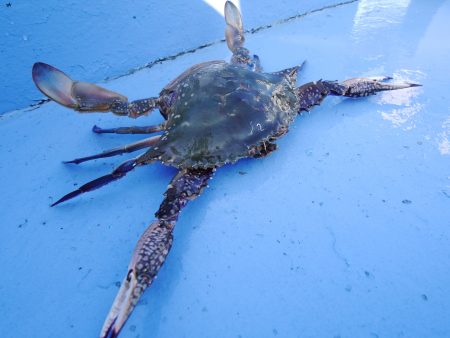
215, 113
220, 112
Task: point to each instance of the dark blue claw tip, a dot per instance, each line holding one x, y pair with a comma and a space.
111, 333
39, 68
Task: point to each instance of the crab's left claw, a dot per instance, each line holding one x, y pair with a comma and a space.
148, 257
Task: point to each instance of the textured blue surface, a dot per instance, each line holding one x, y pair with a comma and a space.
344, 231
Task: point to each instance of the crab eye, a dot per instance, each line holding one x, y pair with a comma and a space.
252, 62
171, 98
257, 63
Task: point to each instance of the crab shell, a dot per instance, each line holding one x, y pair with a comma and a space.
218, 113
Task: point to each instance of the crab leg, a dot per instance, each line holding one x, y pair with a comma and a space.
86, 97
234, 35
312, 93
129, 130
234, 32
153, 247
117, 173
358, 87
290, 72
129, 148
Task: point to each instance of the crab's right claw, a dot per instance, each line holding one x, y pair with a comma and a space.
81, 96
365, 86
54, 84
148, 257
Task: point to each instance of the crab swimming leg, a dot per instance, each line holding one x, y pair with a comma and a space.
86, 97
312, 93
128, 148
153, 247
234, 35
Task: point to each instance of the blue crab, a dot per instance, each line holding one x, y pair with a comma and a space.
215, 113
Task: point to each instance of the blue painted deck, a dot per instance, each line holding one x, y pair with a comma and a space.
343, 232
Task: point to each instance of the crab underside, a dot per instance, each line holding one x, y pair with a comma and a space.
215, 113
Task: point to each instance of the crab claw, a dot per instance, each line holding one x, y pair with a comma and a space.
54, 84
234, 31
358, 87
81, 96
148, 257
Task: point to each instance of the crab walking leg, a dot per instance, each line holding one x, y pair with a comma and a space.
117, 173
234, 35
358, 87
291, 72
86, 97
129, 148
129, 130
153, 247
312, 93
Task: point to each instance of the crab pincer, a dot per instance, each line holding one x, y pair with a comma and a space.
84, 96
148, 257
153, 247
